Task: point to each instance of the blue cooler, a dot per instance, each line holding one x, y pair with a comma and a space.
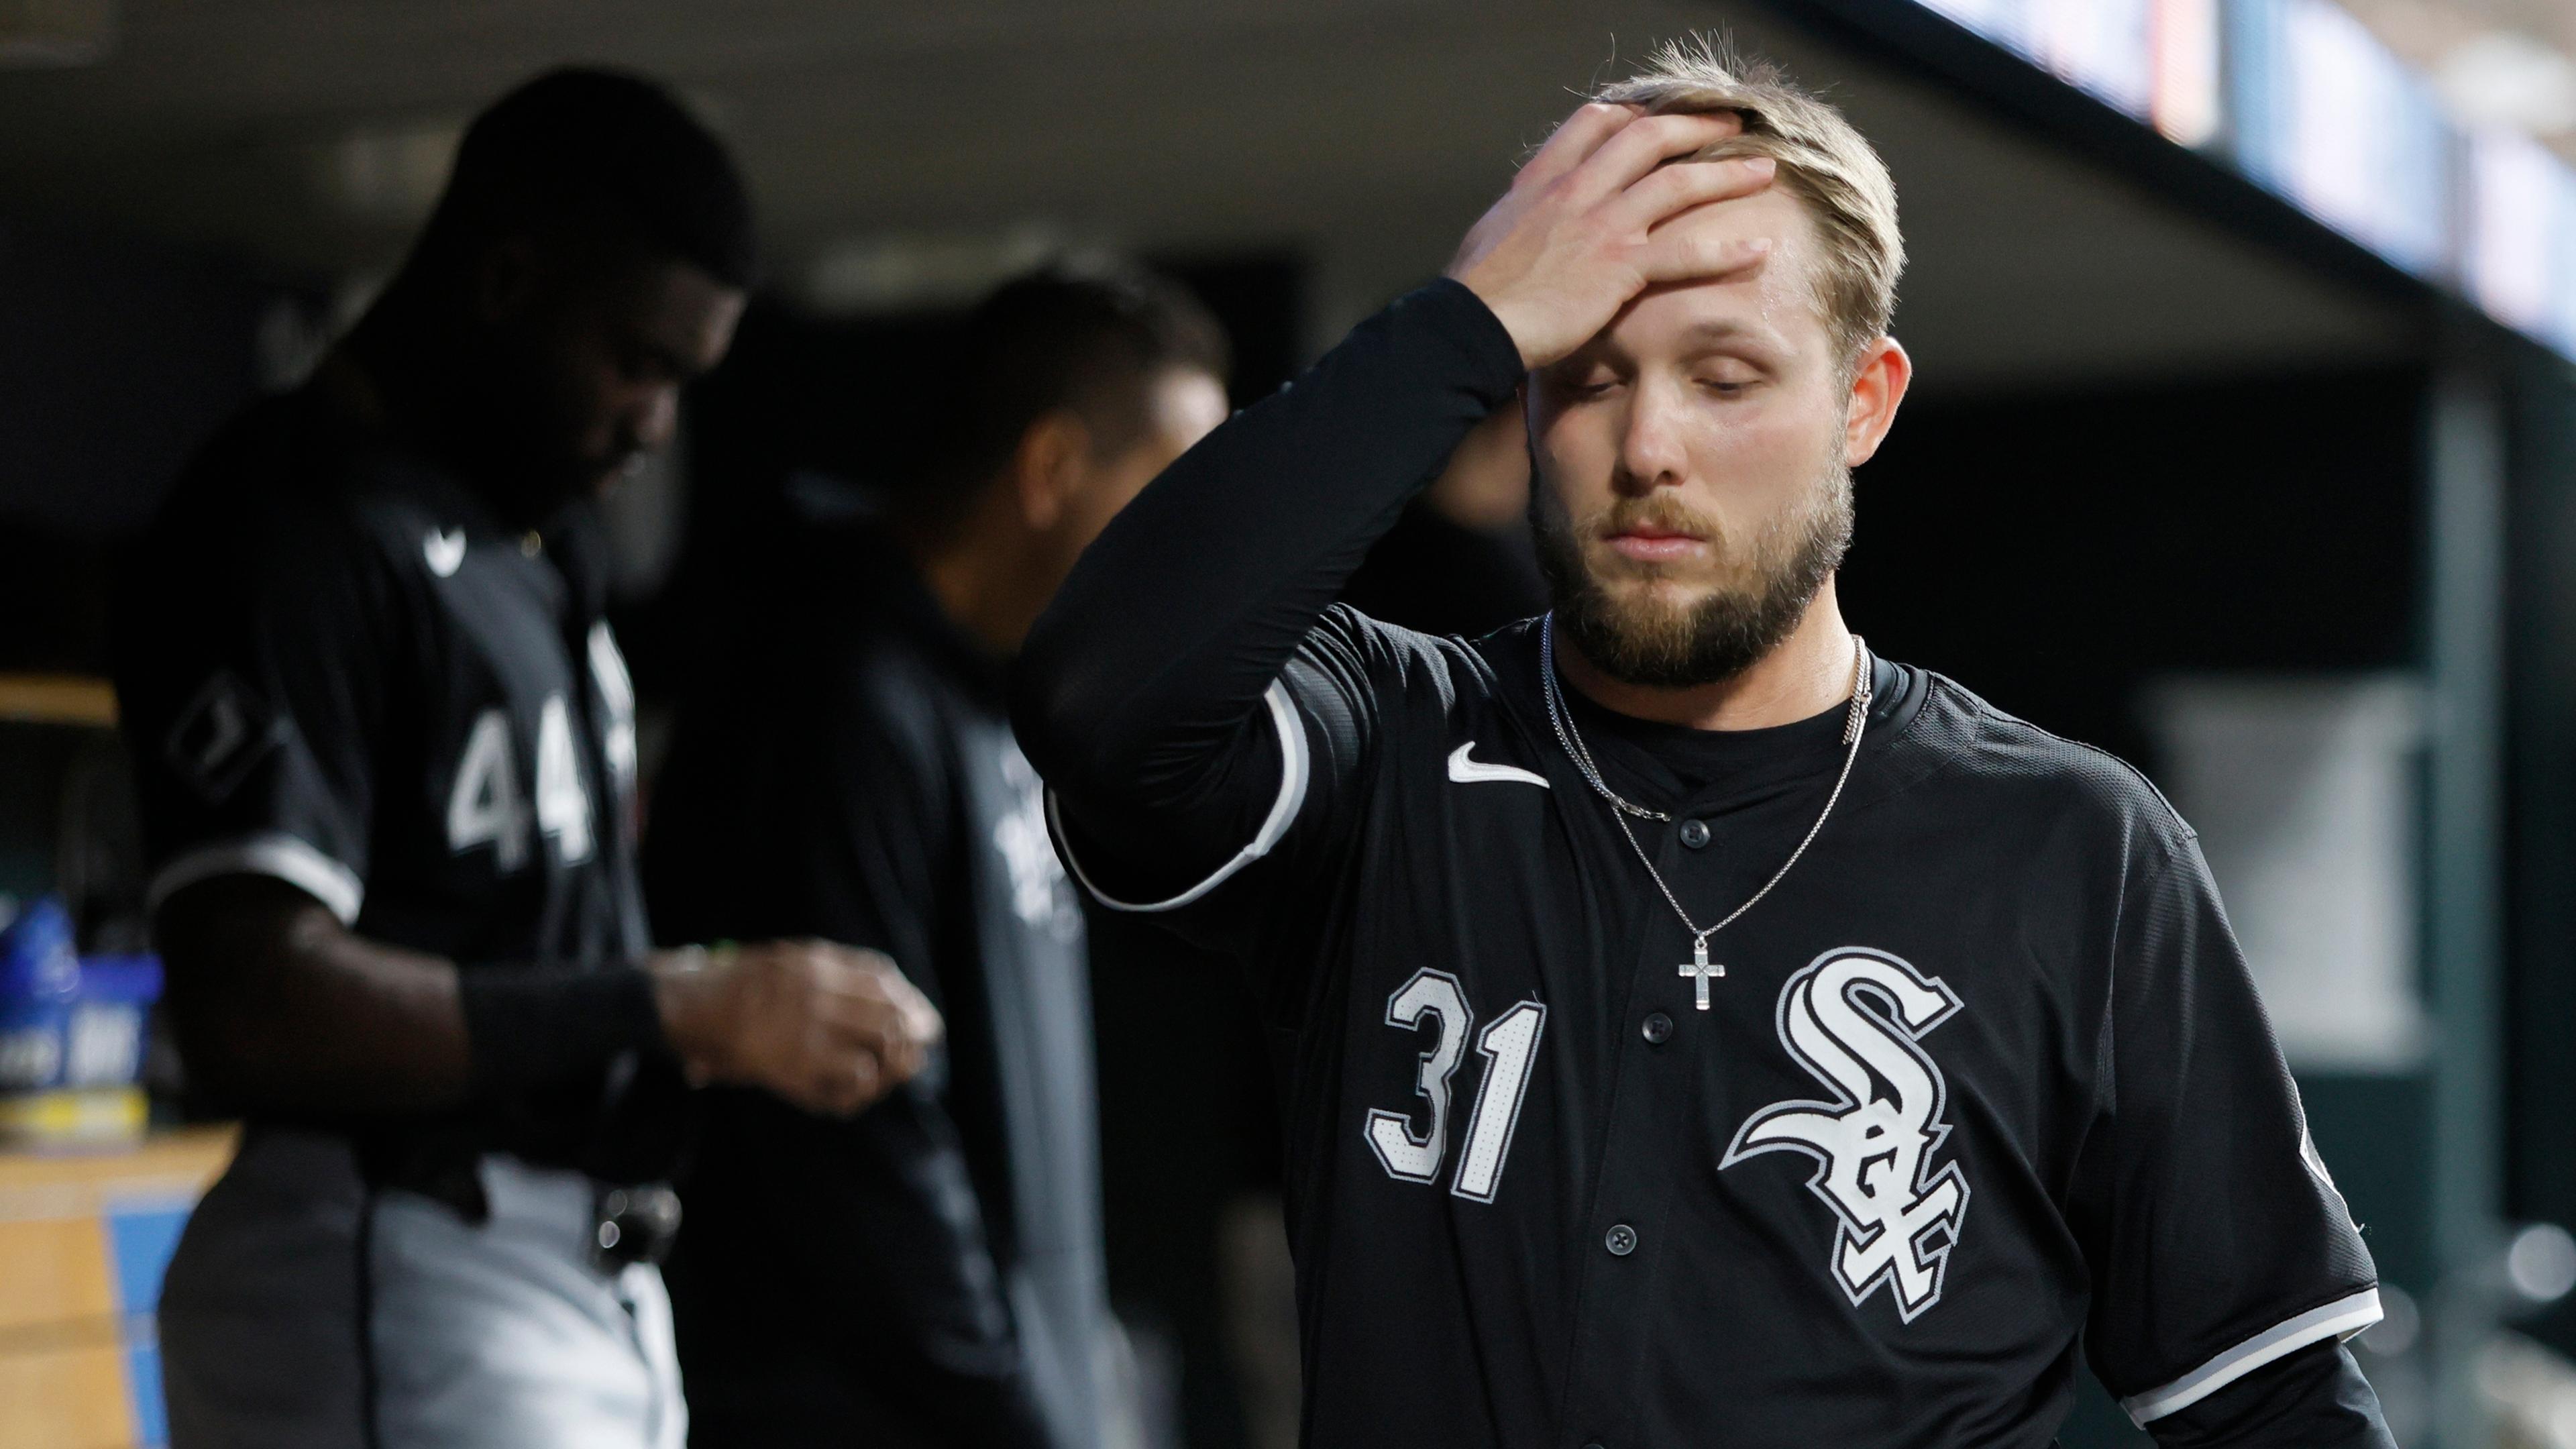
71, 1032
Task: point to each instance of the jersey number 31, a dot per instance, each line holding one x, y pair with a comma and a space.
1510, 1049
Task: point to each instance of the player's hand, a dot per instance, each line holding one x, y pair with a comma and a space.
829, 1028
1576, 236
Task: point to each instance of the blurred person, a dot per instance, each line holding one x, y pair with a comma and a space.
386, 752
1460, 559
1696, 1025
929, 1273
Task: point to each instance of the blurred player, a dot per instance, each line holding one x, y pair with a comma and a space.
1459, 560
929, 1273
387, 759
1699, 1028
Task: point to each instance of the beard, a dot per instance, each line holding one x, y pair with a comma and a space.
1765, 582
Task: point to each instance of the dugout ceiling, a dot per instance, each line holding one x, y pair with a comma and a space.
1361, 134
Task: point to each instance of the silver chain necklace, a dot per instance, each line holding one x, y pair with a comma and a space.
1699, 967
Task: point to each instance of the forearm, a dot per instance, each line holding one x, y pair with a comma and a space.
278, 1008
1161, 644
2315, 1398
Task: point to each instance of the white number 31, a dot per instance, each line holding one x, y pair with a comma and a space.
1510, 1049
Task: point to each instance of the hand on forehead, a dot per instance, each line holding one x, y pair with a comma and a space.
1777, 302
1575, 238
1779, 298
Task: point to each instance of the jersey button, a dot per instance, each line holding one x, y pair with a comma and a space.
1621, 1240
1694, 833
1658, 1028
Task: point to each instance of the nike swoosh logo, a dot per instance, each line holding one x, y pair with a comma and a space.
445, 551
1469, 772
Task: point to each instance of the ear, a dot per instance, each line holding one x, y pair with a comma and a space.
1877, 389
1048, 466
504, 279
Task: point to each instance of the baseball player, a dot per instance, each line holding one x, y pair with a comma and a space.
1698, 1028
929, 1273
386, 751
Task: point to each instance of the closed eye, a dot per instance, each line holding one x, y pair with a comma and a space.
1594, 383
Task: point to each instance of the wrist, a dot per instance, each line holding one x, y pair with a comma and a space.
689, 997
539, 1029
1488, 327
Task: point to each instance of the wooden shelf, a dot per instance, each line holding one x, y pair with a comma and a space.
73, 1180
64, 699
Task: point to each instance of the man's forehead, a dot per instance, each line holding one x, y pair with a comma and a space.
1780, 302
678, 306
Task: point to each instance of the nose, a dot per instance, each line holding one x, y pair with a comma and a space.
655, 420
1651, 455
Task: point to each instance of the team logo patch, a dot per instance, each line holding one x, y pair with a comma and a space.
222, 733
1855, 1019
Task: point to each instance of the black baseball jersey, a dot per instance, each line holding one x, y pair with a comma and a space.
337, 667
1983, 1083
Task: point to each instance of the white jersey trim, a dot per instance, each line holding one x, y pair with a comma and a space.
1283, 813
2340, 1319
274, 854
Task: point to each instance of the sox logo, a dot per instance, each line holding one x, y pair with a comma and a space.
1855, 1019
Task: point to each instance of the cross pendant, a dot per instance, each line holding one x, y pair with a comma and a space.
1700, 968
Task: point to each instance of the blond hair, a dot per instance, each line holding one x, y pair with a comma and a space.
1823, 161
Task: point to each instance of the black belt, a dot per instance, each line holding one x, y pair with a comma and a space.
631, 1222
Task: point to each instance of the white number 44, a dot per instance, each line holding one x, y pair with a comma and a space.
1510, 1049
486, 808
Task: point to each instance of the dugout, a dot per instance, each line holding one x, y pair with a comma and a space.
2219, 455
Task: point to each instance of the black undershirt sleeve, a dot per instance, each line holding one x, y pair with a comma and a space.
538, 1029
1139, 695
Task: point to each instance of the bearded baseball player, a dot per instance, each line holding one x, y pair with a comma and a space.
1697, 1028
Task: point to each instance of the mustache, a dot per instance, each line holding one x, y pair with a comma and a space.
621, 460
1658, 512
1768, 574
